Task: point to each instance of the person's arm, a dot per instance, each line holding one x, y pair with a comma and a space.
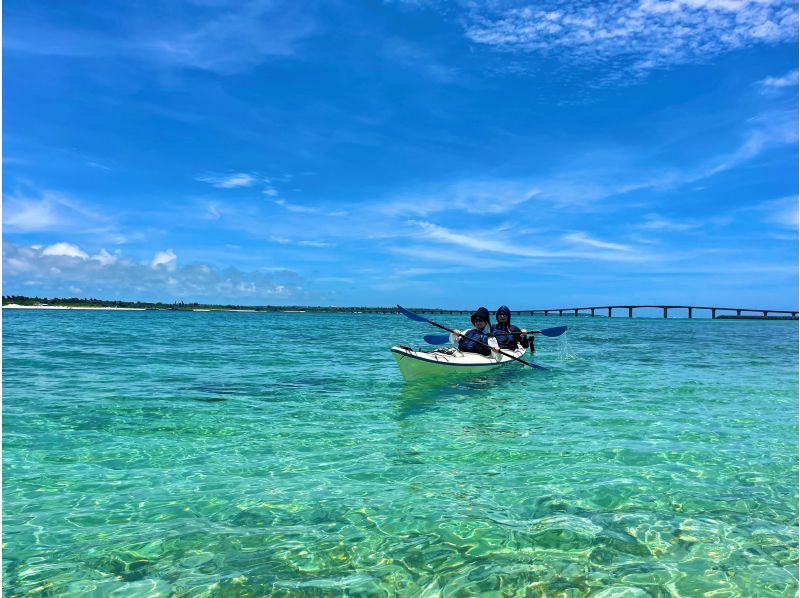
495, 347
522, 337
455, 335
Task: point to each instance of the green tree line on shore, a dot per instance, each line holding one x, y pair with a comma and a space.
177, 305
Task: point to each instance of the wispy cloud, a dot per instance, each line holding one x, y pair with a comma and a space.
472, 197
419, 59
424, 255
655, 222
479, 241
229, 181
47, 211
314, 244
782, 212
765, 131
634, 35
584, 239
592, 177
221, 36
299, 242
295, 208
239, 36
213, 211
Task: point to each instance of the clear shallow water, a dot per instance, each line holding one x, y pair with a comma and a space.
197, 454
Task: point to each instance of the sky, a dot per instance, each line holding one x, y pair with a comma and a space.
539, 155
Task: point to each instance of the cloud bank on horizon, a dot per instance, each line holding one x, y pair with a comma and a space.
539, 155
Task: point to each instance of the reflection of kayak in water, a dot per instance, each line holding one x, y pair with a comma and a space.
422, 364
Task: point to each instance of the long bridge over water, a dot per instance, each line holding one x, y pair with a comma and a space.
608, 311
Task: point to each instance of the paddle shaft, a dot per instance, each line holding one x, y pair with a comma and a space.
532, 365
440, 339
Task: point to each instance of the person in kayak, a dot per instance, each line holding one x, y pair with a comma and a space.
475, 340
508, 335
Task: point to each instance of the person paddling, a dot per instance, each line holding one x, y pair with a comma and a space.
476, 339
507, 334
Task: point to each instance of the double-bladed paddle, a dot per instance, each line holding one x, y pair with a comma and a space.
440, 339
419, 318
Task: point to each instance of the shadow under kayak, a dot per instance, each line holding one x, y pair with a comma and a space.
423, 364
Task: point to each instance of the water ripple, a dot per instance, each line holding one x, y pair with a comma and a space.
204, 454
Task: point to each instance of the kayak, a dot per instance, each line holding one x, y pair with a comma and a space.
441, 362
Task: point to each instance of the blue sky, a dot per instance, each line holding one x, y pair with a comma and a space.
548, 154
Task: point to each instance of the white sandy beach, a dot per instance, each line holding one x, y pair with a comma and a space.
15, 306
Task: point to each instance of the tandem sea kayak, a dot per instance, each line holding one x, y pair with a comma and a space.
441, 362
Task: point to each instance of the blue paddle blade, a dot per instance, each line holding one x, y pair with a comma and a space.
411, 314
436, 339
557, 331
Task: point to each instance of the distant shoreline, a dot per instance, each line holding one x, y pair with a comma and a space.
699, 312
15, 306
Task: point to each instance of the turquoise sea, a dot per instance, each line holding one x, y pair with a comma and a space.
254, 454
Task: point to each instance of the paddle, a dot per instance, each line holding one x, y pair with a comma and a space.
440, 339
419, 318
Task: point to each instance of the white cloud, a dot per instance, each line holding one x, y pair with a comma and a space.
313, 244
656, 222
271, 192
167, 259
32, 271
295, 208
105, 258
230, 181
773, 83
303, 243
66, 249
584, 239
635, 35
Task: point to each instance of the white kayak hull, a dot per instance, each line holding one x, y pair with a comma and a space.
425, 364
